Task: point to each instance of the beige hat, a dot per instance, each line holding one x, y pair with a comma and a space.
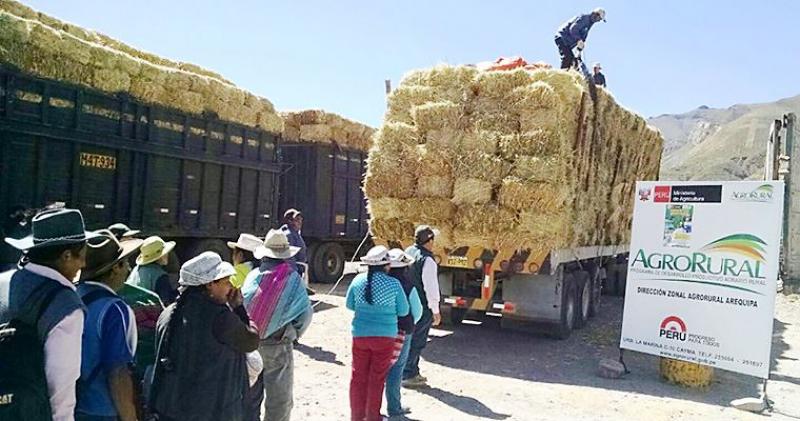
400, 259
377, 256
152, 249
247, 242
276, 246
204, 269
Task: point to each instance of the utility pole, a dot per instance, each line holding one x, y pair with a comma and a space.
790, 272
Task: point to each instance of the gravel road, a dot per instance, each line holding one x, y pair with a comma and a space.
477, 371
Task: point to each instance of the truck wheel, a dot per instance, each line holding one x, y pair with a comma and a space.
583, 297
327, 263
563, 329
597, 292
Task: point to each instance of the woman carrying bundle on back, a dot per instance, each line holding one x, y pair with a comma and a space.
377, 300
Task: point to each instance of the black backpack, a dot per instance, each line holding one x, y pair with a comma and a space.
23, 385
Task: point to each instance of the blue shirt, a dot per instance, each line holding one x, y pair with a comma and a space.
109, 341
296, 240
388, 303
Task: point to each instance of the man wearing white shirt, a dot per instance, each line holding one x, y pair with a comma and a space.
54, 255
424, 275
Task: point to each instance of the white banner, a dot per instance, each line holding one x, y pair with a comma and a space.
702, 272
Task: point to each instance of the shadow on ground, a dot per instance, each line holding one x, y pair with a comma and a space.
532, 357
464, 404
318, 354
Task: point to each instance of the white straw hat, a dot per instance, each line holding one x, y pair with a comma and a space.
377, 256
247, 242
400, 259
276, 246
205, 269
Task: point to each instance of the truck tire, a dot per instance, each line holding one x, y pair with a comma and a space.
563, 329
597, 291
583, 297
327, 263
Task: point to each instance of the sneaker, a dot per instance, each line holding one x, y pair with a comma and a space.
403, 411
416, 381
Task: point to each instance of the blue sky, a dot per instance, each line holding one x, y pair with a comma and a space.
659, 56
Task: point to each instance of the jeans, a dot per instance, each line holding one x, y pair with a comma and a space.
395, 378
567, 58
372, 358
418, 342
278, 378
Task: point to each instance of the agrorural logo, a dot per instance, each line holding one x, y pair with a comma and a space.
750, 260
673, 327
762, 193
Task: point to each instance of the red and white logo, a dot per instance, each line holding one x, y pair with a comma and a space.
673, 327
662, 194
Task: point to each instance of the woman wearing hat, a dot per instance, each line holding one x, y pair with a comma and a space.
400, 262
109, 333
377, 300
279, 306
201, 371
242, 257
149, 272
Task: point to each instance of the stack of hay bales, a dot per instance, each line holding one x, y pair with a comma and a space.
498, 159
46, 47
318, 126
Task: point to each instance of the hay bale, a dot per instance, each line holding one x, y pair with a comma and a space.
439, 186
471, 191
516, 158
47, 47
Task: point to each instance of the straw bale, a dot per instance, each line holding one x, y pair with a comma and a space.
403, 100
433, 160
436, 116
539, 142
434, 186
482, 166
519, 195
110, 80
498, 85
315, 132
394, 133
536, 95
471, 191
429, 210
545, 169
392, 229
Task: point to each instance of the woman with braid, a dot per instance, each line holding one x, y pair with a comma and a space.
377, 300
202, 340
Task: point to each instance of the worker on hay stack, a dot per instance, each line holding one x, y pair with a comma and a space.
598, 76
573, 34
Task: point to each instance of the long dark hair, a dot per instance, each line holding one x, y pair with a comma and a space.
371, 271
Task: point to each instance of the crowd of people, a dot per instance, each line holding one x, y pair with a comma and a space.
93, 328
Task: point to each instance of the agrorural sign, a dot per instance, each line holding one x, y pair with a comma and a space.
702, 273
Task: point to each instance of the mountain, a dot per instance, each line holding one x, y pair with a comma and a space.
719, 144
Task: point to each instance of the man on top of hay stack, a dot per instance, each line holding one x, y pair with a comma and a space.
573, 34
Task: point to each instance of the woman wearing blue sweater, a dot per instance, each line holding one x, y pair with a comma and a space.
377, 300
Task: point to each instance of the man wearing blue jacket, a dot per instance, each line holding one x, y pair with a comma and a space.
573, 34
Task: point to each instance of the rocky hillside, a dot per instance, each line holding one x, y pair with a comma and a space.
719, 144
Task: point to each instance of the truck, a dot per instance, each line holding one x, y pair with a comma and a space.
191, 178
553, 292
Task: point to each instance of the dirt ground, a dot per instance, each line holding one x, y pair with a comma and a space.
478, 372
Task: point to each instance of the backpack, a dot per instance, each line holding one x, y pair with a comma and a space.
23, 384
